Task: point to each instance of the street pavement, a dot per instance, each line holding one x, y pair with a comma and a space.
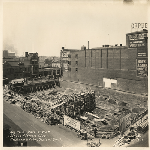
41, 133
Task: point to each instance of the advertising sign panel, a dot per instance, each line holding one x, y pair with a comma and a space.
65, 65
72, 122
65, 54
136, 39
142, 67
141, 52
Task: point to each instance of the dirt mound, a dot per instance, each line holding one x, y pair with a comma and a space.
69, 91
112, 101
137, 110
126, 110
122, 104
99, 112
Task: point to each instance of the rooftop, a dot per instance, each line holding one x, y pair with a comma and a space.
142, 31
71, 50
14, 63
109, 47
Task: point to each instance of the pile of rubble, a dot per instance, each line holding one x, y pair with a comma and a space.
94, 112
126, 139
50, 105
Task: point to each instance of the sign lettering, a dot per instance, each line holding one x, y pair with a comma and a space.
142, 67
72, 122
65, 54
139, 25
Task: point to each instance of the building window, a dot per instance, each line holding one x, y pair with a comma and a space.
76, 62
76, 69
69, 62
76, 56
69, 56
58, 72
69, 69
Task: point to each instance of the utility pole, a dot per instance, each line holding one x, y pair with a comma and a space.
108, 39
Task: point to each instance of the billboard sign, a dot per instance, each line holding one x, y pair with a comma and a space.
137, 39
72, 122
141, 52
142, 67
139, 43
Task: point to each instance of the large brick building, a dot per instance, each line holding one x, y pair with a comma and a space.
13, 69
21, 67
111, 66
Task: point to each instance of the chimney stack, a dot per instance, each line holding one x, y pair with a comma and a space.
88, 44
26, 54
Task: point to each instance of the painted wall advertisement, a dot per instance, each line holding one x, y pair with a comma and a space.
72, 122
141, 52
142, 67
65, 54
65, 65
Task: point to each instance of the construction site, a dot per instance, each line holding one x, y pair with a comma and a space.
92, 112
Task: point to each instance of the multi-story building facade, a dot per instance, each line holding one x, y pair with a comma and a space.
8, 54
56, 63
65, 60
113, 67
31, 62
42, 61
13, 69
22, 67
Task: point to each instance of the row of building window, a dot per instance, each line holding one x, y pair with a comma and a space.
76, 69
69, 62
76, 56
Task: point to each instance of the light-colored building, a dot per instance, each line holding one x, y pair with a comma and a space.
56, 63
8, 54
42, 61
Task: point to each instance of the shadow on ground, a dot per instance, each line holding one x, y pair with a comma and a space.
8, 141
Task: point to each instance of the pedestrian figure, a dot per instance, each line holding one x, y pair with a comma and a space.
99, 140
95, 131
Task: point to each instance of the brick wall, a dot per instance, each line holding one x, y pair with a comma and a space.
115, 63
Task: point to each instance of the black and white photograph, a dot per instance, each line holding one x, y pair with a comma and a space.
75, 73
